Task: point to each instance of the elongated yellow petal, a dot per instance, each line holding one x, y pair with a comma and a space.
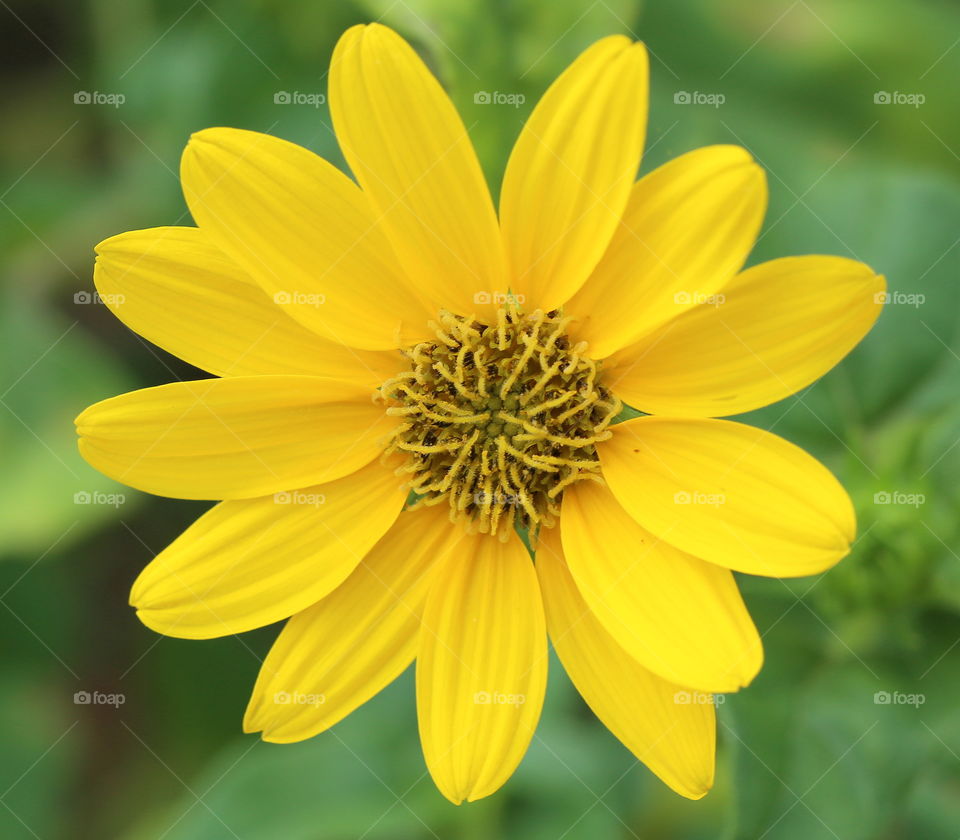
251, 562
730, 494
234, 438
173, 287
569, 176
335, 655
481, 667
303, 231
679, 616
688, 227
409, 150
773, 329
669, 728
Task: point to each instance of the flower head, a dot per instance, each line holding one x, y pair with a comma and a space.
498, 419
407, 381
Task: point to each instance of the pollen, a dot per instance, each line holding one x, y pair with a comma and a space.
498, 419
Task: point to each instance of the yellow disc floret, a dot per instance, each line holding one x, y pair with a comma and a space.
499, 419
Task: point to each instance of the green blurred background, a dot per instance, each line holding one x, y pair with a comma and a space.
809, 751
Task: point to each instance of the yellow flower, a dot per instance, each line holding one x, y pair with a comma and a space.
390, 335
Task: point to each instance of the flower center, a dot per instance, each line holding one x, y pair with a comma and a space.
499, 419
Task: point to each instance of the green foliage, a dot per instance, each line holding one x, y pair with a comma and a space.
55, 496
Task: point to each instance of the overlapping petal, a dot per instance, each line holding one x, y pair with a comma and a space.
666, 726
250, 562
730, 494
411, 154
335, 655
177, 290
688, 227
679, 616
306, 233
771, 331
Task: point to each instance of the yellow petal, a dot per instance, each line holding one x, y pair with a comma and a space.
409, 150
481, 667
304, 231
774, 329
680, 617
730, 494
688, 227
248, 563
669, 728
178, 291
335, 655
234, 438
570, 173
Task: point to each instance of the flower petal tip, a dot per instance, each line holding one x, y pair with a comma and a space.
750, 666
880, 287
148, 619
104, 246
250, 725
697, 790
209, 140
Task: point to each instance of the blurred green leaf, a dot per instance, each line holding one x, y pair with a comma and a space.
40, 756
56, 372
